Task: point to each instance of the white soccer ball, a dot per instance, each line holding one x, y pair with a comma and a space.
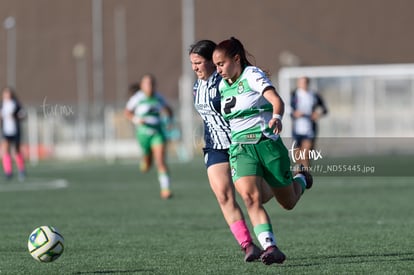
45, 244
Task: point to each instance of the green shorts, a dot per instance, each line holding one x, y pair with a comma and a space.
148, 137
268, 159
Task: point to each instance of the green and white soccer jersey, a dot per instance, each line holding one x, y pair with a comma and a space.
243, 104
147, 108
149, 133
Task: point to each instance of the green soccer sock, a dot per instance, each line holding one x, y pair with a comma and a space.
299, 178
264, 234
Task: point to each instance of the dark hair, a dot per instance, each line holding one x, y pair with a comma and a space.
12, 93
204, 48
133, 87
232, 47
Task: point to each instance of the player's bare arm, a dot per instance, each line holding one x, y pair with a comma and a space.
278, 109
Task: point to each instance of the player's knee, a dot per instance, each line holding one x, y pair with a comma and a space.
250, 201
222, 198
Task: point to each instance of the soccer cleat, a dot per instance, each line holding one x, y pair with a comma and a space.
252, 252
273, 255
308, 177
166, 194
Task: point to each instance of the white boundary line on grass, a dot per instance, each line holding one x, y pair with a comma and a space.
34, 185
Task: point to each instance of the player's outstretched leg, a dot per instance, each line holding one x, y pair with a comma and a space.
145, 163
265, 191
304, 171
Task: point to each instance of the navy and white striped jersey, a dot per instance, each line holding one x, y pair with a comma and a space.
207, 103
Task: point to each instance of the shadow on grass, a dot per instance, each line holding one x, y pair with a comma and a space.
354, 259
114, 271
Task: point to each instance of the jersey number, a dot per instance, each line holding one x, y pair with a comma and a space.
229, 103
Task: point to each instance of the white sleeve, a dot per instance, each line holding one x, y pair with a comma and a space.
257, 79
132, 103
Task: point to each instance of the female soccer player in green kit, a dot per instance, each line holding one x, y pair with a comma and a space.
144, 109
254, 110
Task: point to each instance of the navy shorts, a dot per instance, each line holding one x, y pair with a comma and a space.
214, 156
299, 138
13, 139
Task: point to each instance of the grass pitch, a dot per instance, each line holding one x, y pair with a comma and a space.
114, 222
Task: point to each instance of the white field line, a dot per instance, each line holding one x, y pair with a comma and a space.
34, 185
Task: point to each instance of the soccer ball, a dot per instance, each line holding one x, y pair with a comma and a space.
45, 244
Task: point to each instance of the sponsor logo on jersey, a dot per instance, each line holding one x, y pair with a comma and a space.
251, 136
240, 88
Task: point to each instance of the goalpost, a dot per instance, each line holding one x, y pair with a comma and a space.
364, 100
370, 107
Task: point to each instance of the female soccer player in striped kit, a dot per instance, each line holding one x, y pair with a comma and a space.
11, 113
254, 110
217, 141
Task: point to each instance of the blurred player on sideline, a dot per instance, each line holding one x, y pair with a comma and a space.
11, 113
144, 109
307, 108
217, 141
254, 110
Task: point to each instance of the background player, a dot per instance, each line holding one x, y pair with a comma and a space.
307, 108
144, 109
11, 114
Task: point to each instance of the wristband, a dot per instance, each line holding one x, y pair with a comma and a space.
277, 116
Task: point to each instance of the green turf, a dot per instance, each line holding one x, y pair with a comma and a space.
114, 223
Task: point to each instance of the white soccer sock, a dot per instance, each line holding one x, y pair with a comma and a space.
164, 180
266, 239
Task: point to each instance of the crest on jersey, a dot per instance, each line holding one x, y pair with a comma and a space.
240, 88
